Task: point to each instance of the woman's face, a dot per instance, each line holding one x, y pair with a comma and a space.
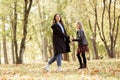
57, 18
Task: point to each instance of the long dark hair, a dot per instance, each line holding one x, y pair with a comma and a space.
54, 21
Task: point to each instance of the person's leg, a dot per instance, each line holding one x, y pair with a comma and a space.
59, 61
50, 62
84, 59
52, 59
80, 60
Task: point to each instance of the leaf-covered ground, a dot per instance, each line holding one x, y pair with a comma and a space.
97, 70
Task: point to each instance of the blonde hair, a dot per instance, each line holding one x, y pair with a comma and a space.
80, 24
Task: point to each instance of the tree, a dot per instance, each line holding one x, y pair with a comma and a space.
112, 26
93, 30
4, 45
14, 30
28, 4
41, 13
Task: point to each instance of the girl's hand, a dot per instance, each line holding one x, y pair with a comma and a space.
71, 39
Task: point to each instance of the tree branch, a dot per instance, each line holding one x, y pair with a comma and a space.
103, 13
117, 30
30, 4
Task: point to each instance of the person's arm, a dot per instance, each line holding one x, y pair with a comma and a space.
77, 39
80, 34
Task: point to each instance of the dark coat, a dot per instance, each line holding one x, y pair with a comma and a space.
67, 44
81, 38
59, 40
82, 42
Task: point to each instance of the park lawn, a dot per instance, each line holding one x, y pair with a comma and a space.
97, 70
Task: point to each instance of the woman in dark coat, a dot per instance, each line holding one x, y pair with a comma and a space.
60, 40
82, 46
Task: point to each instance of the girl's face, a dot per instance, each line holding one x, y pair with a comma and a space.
57, 18
78, 26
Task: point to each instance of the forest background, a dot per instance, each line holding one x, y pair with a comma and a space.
26, 39
26, 35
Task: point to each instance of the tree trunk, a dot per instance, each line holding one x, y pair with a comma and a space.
45, 55
73, 52
13, 56
42, 22
14, 28
110, 32
66, 57
113, 28
94, 39
50, 50
12, 43
4, 47
28, 4
95, 49
94, 42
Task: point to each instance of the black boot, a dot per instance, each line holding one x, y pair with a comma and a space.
80, 61
80, 67
84, 60
84, 66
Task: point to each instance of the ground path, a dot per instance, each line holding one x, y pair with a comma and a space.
97, 70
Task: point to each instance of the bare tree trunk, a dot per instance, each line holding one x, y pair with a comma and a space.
4, 47
73, 52
14, 28
12, 43
101, 31
66, 57
28, 4
94, 39
40, 16
42, 21
110, 28
50, 50
45, 55
13, 56
113, 32
95, 49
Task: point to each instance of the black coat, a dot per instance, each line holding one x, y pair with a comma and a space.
67, 44
60, 40
81, 38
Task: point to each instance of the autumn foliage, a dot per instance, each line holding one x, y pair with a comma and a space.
97, 70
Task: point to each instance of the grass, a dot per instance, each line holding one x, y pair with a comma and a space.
97, 70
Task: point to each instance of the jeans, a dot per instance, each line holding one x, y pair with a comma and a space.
58, 58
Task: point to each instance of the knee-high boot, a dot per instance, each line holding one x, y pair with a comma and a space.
80, 61
84, 60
